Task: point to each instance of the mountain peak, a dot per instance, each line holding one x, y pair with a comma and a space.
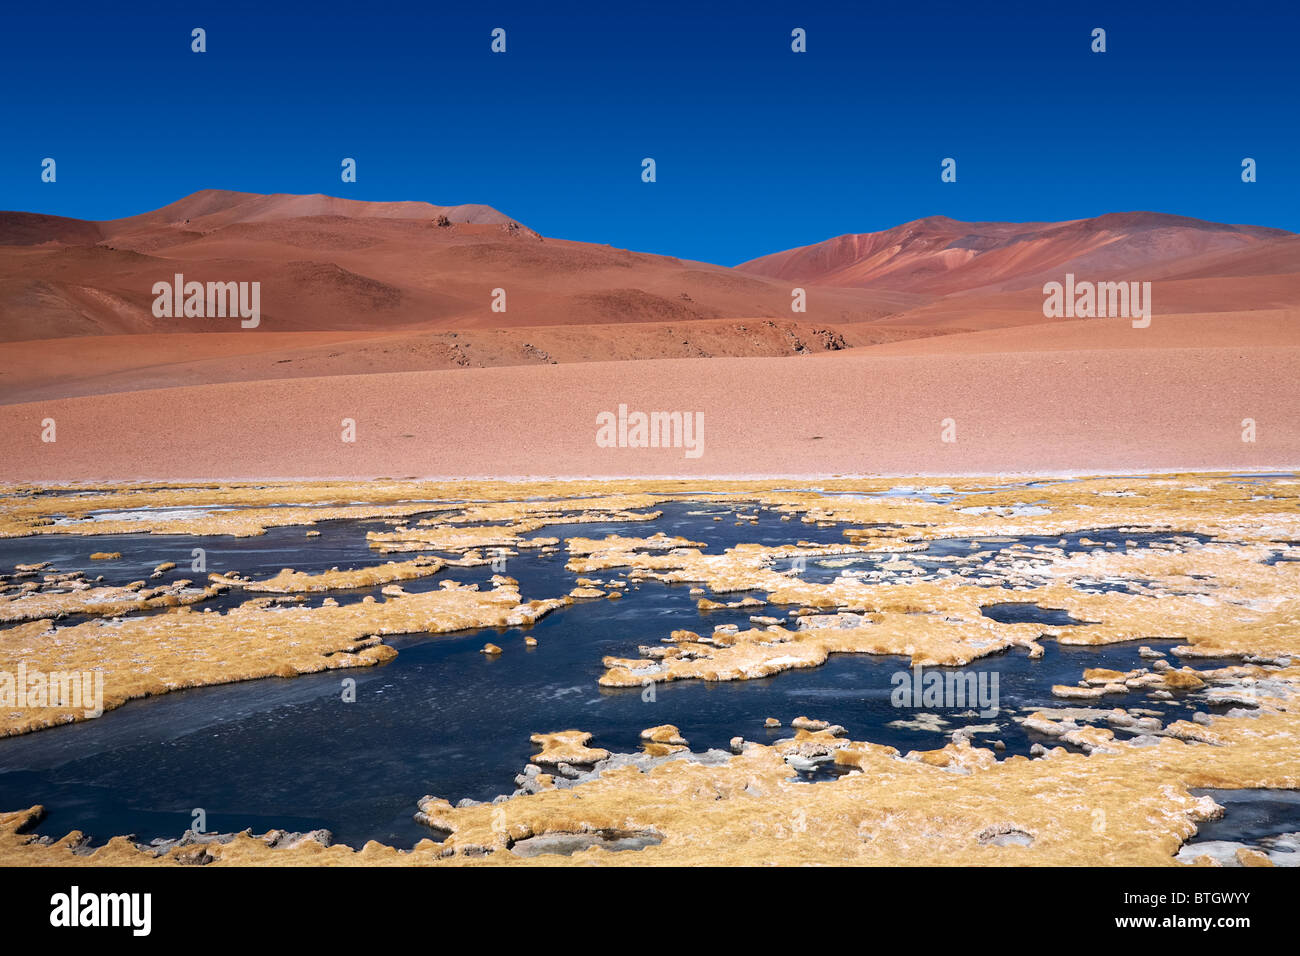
214, 208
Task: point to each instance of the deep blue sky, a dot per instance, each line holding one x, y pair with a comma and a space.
758, 148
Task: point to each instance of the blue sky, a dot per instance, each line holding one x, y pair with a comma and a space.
757, 148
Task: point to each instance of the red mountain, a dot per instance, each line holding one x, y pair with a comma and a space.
938, 255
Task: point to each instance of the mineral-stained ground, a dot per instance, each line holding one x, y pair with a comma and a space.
1211, 562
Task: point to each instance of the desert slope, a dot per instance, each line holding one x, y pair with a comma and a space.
853, 412
104, 364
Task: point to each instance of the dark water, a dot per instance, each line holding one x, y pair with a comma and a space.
444, 719
1010, 613
1251, 815
1264, 820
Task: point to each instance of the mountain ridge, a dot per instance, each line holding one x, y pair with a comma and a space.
941, 255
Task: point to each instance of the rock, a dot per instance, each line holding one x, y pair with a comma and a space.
491, 649
737, 744
1144, 680
1127, 721
530, 642
807, 723
771, 722
1205, 809
663, 734
662, 740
